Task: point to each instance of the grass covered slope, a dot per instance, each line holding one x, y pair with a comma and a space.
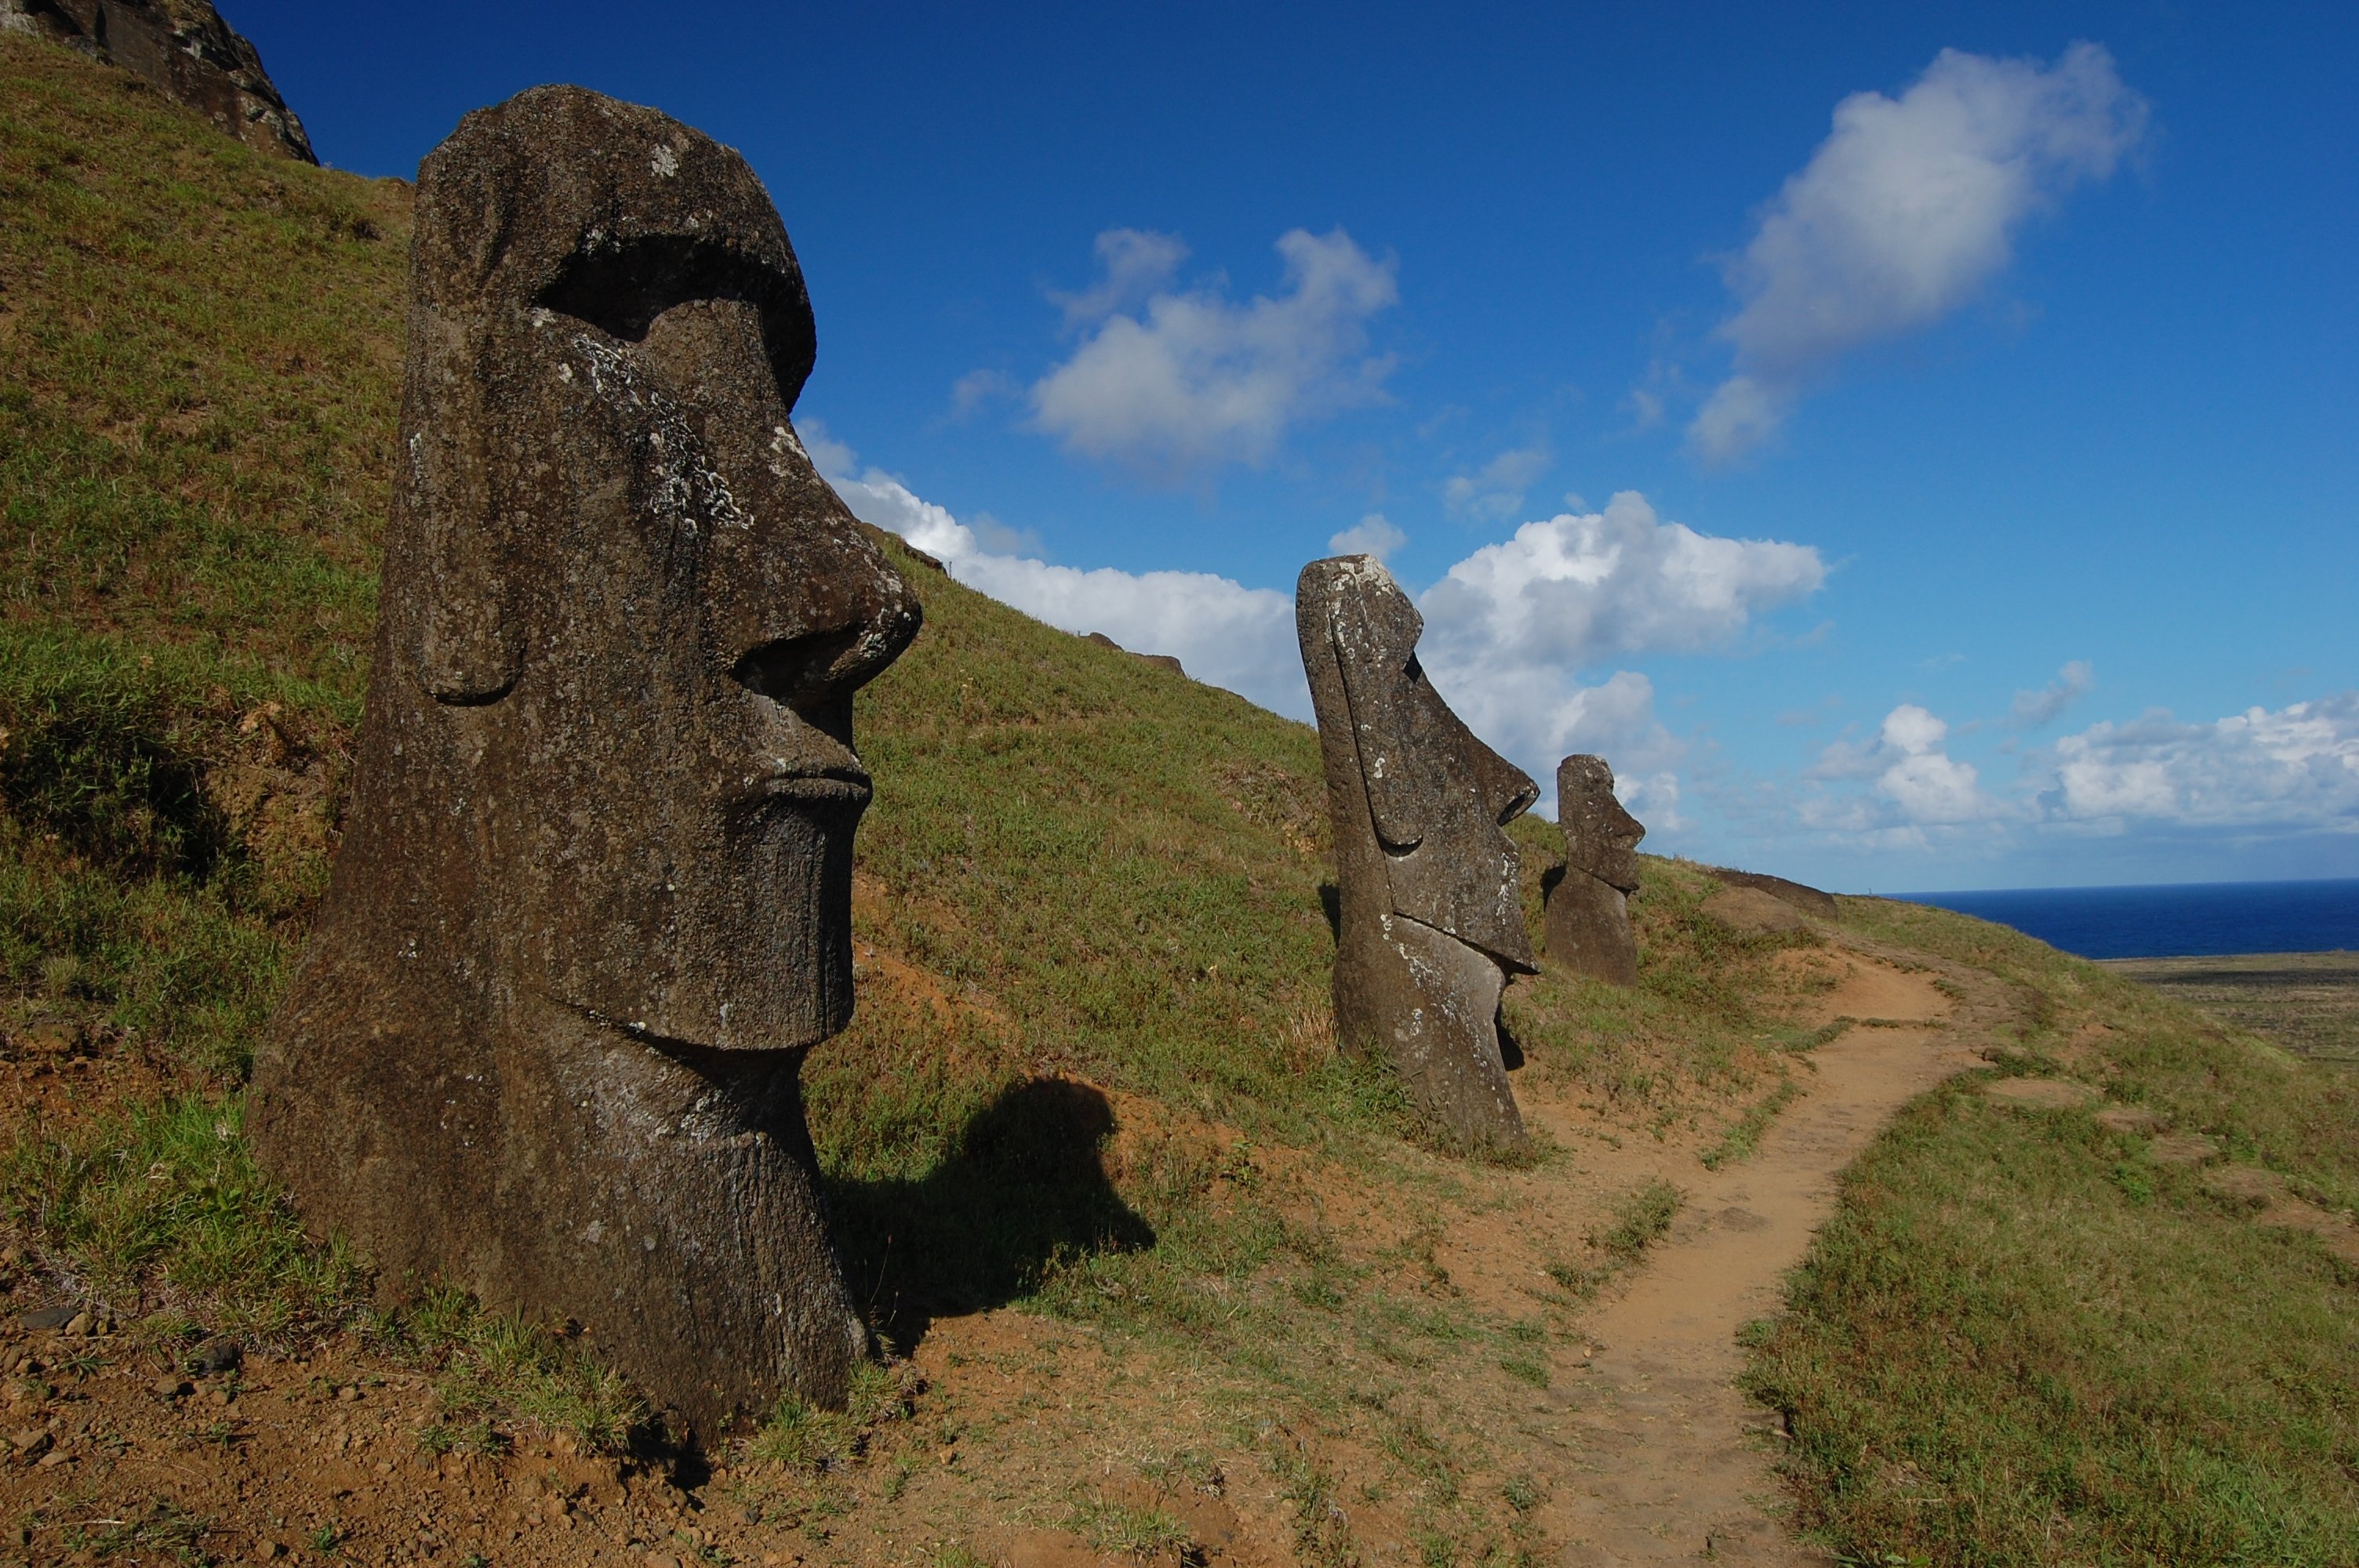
2122, 1332
1093, 1070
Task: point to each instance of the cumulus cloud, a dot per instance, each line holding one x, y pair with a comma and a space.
1906, 210
1136, 263
1914, 783
2034, 709
2294, 769
1220, 630
1509, 631
1372, 535
1511, 628
1496, 491
1175, 384
2252, 775
1579, 589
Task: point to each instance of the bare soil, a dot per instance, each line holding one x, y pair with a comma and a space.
1039, 1442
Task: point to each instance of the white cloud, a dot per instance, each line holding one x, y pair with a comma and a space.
1138, 262
1740, 415
2251, 776
831, 457
2034, 709
1222, 631
1508, 632
2294, 769
1906, 210
1496, 491
977, 388
1915, 783
1194, 380
1372, 535
1582, 587
1913, 731
1510, 628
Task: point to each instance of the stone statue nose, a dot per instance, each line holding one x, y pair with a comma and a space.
810, 652
1507, 791
815, 669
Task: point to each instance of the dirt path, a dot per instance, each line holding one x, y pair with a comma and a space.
1665, 1468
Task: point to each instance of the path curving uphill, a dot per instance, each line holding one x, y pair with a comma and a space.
1670, 1461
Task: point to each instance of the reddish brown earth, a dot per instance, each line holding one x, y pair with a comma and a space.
1638, 1449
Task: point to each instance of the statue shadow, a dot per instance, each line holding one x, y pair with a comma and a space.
1330, 899
1026, 1188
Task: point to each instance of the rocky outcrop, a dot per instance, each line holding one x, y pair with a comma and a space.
1160, 661
1430, 916
183, 49
1588, 923
1808, 899
593, 899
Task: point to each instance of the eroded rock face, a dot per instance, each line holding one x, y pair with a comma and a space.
1588, 924
183, 49
1430, 918
594, 898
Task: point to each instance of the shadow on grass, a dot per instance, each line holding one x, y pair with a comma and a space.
1026, 1191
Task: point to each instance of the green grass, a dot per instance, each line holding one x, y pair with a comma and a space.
1744, 1136
158, 1203
2020, 1341
1119, 1529
1641, 1219
494, 1373
1700, 1027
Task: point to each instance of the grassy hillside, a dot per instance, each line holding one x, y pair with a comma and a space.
1092, 1072
2121, 1331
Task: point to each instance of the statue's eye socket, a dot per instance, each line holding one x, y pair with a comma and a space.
621, 290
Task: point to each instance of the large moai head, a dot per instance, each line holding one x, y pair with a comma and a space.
593, 899
626, 613
1428, 887
1588, 921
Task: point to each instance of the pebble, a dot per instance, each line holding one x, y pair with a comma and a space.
81, 1323
171, 1388
48, 1319
217, 1354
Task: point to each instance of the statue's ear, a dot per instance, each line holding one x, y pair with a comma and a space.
1375, 629
464, 641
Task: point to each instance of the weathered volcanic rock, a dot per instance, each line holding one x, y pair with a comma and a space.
184, 49
1588, 921
1160, 661
1430, 918
593, 902
1808, 899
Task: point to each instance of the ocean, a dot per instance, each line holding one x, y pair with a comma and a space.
2187, 920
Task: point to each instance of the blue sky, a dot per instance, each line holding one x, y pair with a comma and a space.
1914, 444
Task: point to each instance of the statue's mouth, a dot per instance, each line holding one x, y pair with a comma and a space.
827, 786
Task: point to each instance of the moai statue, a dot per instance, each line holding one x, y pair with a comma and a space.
593, 902
1431, 919
1588, 921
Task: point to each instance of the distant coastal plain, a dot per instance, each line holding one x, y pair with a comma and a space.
2307, 1003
